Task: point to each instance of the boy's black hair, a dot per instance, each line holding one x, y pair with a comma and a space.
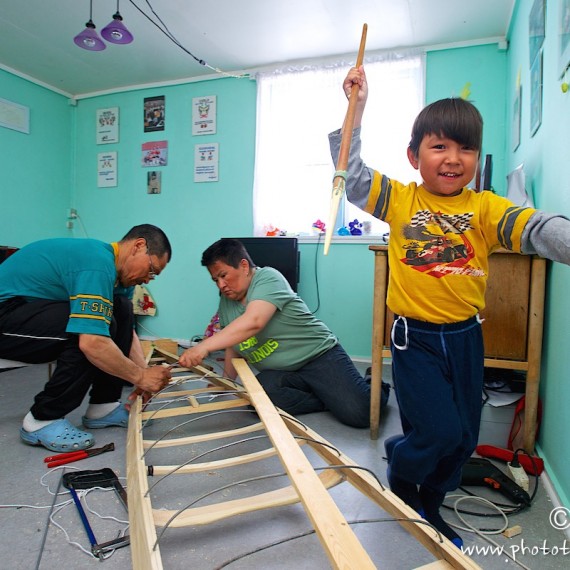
453, 118
227, 250
156, 239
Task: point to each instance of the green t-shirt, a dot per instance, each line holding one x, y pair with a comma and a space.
292, 337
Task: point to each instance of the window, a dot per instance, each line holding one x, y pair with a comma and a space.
296, 109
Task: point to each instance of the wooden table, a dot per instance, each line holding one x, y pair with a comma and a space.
512, 329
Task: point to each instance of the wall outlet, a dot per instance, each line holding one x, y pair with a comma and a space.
69, 225
72, 214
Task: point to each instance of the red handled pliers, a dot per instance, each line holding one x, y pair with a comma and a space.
70, 457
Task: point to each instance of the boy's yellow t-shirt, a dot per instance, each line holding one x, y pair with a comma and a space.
439, 246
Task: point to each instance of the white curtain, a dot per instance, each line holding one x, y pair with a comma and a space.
297, 108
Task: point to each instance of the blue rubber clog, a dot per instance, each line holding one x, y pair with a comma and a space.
59, 436
118, 417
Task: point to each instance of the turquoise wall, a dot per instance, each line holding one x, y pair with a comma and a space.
484, 69
192, 214
34, 193
545, 157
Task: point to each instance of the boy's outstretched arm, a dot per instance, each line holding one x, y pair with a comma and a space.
547, 235
359, 177
357, 75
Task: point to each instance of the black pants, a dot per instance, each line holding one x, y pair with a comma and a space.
34, 332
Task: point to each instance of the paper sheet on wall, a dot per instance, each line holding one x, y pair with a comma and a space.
206, 162
107, 169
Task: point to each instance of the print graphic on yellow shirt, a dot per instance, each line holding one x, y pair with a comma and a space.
437, 244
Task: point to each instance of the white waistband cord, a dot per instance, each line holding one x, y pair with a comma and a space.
479, 319
392, 333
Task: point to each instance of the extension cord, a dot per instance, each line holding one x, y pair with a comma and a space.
519, 476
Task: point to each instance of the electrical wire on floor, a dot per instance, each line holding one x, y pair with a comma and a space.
312, 531
56, 508
317, 274
483, 533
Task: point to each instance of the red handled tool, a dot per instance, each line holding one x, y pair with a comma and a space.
65, 458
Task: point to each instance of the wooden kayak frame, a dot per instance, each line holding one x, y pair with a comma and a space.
337, 539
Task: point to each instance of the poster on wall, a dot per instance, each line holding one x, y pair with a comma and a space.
564, 36
108, 125
206, 162
154, 114
204, 115
536, 94
516, 134
154, 182
155, 153
14, 116
107, 169
536, 29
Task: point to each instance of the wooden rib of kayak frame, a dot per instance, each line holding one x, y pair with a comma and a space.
337, 539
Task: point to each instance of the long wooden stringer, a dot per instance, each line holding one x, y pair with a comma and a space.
341, 545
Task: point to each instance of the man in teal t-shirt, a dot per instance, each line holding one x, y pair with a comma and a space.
68, 300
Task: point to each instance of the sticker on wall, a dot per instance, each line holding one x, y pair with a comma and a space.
107, 169
204, 115
108, 125
206, 162
154, 182
155, 153
154, 114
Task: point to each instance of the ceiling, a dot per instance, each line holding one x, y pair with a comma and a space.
229, 35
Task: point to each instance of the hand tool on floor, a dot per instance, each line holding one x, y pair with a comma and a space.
481, 472
70, 457
89, 479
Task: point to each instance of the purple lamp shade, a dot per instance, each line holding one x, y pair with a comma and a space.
89, 39
116, 32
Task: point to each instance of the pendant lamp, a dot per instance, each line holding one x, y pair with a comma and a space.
89, 38
116, 32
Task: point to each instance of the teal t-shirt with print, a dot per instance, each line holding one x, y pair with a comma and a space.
81, 271
291, 338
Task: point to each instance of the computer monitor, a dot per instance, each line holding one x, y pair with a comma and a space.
281, 253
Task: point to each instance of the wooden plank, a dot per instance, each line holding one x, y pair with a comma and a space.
142, 530
441, 548
203, 437
219, 511
218, 464
189, 409
339, 542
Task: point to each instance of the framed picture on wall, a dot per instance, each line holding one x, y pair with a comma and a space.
564, 36
154, 114
536, 29
14, 116
536, 94
154, 182
516, 134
